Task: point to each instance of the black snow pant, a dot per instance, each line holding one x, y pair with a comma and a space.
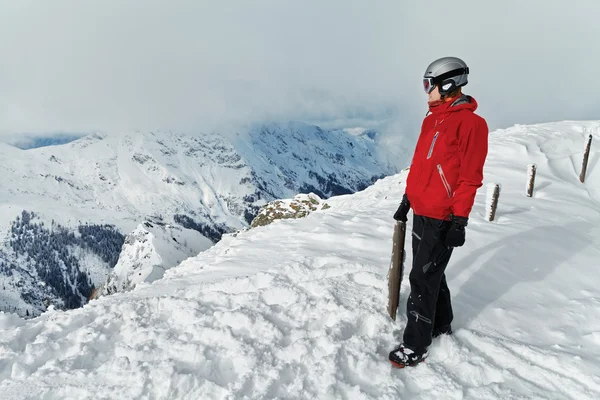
429, 304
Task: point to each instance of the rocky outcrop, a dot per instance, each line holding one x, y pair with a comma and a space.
298, 207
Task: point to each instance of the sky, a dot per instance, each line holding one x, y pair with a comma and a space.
195, 65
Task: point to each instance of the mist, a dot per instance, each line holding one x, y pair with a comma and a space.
123, 65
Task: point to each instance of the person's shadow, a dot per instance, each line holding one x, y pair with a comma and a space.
525, 257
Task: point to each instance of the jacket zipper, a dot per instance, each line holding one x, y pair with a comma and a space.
444, 181
432, 144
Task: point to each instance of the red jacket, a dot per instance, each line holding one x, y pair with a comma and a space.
447, 166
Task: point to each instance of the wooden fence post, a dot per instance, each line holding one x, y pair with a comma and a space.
493, 193
585, 159
531, 169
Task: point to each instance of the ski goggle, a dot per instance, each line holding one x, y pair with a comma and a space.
428, 85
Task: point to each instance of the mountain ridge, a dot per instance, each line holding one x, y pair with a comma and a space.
205, 184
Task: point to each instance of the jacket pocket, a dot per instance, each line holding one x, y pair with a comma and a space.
432, 145
444, 180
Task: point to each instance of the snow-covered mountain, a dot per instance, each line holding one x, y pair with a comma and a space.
146, 253
298, 308
190, 188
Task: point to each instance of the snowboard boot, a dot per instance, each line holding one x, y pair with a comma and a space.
402, 356
442, 330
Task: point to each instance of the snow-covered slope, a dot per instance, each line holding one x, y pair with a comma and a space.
297, 308
204, 183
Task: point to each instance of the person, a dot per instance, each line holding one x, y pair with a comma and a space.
445, 173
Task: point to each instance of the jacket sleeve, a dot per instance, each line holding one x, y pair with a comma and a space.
473, 149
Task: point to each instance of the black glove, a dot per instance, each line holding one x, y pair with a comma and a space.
403, 209
455, 237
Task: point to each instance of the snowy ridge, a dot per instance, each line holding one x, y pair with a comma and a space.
147, 252
202, 185
297, 309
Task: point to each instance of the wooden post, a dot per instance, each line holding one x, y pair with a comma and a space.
585, 159
531, 168
492, 200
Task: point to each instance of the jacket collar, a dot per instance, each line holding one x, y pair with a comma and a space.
463, 102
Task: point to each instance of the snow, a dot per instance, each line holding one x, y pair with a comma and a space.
10, 321
297, 308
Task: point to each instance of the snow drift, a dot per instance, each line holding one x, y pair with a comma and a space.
297, 308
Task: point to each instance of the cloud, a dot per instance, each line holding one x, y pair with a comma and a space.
199, 65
